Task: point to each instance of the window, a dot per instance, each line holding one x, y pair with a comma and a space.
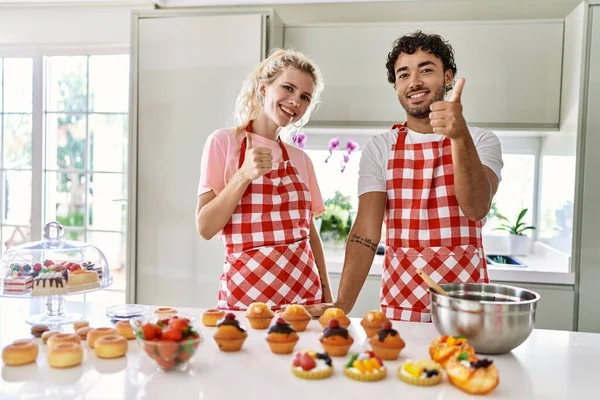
85, 173
556, 201
16, 116
83, 139
516, 190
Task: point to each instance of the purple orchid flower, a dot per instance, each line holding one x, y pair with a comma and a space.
299, 139
351, 146
333, 144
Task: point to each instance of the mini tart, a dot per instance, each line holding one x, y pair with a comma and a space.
259, 315
334, 313
335, 339
444, 348
230, 336
420, 373
365, 366
297, 316
372, 322
165, 312
281, 337
472, 375
312, 365
212, 316
387, 343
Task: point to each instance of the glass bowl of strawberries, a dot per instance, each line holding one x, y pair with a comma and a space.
171, 342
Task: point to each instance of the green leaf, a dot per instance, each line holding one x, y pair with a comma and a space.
188, 346
521, 215
463, 356
351, 360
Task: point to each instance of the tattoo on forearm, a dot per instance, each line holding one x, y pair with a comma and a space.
368, 243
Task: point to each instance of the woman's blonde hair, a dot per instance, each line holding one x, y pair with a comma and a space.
249, 101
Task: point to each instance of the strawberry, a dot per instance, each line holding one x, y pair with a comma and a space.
387, 325
296, 362
307, 362
48, 263
178, 324
280, 321
37, 267
334, 323
150, 331
171, 334
168, 350
230, 316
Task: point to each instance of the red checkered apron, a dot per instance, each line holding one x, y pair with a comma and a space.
426, 229
268, 256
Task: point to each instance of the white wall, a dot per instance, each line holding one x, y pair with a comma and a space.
558, 150
23, 28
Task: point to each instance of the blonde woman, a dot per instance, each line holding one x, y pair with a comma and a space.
260, 195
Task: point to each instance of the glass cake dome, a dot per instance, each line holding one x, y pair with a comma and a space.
53, 268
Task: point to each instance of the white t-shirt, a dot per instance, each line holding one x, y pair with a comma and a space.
375, 155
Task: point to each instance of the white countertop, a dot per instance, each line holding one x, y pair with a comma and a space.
549, 365
544, 265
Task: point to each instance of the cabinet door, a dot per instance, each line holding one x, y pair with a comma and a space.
368, 298
512, 68
187, 83
555, 308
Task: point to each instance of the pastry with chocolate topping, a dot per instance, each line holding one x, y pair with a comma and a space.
387, 343
281, 337
230, 336
335, 339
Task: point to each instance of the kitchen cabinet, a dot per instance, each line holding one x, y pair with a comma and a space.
554, 310
185, 83
512, 68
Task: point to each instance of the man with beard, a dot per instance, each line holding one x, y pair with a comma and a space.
432, 178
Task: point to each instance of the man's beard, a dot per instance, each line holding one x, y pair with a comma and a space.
422, 111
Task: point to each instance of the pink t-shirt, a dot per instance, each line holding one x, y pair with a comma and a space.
220, 158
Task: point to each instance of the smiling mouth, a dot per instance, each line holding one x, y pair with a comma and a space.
418, 95
287, 111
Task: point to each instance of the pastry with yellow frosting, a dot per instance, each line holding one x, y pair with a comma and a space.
297, 316
259, 315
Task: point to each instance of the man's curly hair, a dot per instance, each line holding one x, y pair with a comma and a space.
431, 43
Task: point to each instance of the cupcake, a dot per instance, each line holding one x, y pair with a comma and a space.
372, 321
259, 315
297, 316
336, 313
281, 337
446, 347
421, 372
335, 339
387, 343
165, 312
365, 366
472, 375
230, 336
312, 365
212, 316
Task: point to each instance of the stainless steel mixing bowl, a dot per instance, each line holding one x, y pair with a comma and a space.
494, 318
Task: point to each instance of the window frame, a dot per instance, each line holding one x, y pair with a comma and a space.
513, 142
38, 167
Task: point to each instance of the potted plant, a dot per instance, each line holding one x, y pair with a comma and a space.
518, 242
336, 220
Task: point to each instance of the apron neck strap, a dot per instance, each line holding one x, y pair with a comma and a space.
284, 152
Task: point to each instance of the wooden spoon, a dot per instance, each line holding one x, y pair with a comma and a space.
432, 285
